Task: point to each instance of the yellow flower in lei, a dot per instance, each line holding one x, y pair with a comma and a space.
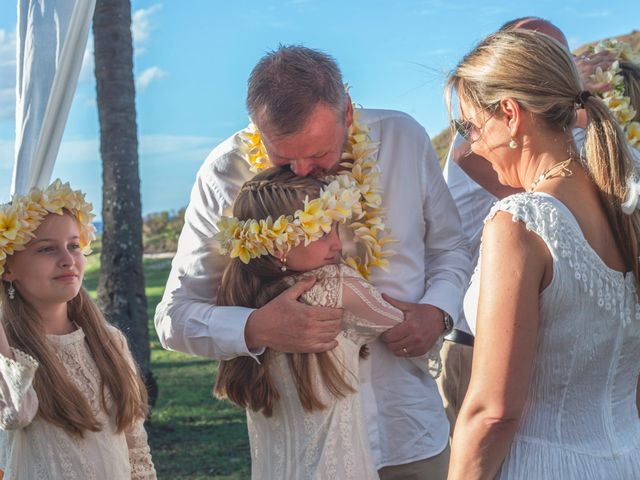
253, 238
618, 103
358, 177
22, 216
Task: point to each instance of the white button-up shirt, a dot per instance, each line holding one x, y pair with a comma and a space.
473, 203
404, 411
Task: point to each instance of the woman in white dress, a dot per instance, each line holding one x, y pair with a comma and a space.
304, 413
554, 302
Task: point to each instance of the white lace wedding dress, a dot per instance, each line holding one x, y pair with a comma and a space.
35, 449
580, 421
331, 443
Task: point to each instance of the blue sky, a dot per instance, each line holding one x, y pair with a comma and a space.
192, 59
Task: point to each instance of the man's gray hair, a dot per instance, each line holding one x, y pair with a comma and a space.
288, 83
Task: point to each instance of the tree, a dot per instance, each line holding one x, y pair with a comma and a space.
121, 294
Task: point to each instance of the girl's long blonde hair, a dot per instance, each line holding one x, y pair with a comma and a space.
274, 192
60, 400
539, 73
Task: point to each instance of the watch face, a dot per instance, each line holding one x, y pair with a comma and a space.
448, 322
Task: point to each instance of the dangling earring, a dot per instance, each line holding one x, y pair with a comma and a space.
11, 291
283, 267
513, 144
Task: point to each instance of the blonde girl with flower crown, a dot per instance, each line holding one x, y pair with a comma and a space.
72, 403
304, 413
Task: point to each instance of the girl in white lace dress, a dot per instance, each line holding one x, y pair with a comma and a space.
554, 302
72, 404
304, 413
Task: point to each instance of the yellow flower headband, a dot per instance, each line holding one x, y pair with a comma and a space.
359, 167
338, 202
615, 98
22, 216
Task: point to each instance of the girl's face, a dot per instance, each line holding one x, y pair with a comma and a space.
323, 251
51, 267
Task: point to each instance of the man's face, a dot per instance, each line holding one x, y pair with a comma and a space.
316, 149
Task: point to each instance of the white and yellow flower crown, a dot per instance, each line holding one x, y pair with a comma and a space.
338, 202
358, 170
22, 216
615, 98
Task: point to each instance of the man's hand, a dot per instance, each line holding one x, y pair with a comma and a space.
287, 325
423, 325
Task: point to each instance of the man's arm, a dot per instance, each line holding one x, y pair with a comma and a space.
187, 318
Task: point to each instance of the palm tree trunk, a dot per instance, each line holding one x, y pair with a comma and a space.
121, 294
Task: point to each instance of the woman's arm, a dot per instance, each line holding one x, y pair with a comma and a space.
515, 266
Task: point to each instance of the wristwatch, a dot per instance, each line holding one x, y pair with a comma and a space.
448, 322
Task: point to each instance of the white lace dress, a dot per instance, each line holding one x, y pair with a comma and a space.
331, 443
34, 449
580, 421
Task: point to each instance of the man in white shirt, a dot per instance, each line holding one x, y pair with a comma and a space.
297, 100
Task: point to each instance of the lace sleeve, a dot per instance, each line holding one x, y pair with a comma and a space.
367, 315
139, 452
18, 399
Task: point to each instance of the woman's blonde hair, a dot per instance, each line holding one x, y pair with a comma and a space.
537, 71
274, 192
60, 401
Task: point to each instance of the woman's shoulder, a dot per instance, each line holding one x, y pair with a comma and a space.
539, 213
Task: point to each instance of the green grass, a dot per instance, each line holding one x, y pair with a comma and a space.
192, 435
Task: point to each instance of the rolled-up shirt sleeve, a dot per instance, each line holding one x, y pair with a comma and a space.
187, 319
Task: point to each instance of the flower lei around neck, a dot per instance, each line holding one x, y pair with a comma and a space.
22, 216
615, 98
353, 193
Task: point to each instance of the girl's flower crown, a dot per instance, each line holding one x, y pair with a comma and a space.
246, 239
22, 216
615, 98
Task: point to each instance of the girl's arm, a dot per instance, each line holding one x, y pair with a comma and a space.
504, 350
373, 316
139, 452
18, 399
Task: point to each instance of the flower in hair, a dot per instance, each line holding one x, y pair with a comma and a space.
618, 103
632, 198
22, 216
252, 238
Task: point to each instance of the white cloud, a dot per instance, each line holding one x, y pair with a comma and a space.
7, 75
141, 26
148, 76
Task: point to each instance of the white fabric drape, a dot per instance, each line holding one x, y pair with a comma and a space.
51, 38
